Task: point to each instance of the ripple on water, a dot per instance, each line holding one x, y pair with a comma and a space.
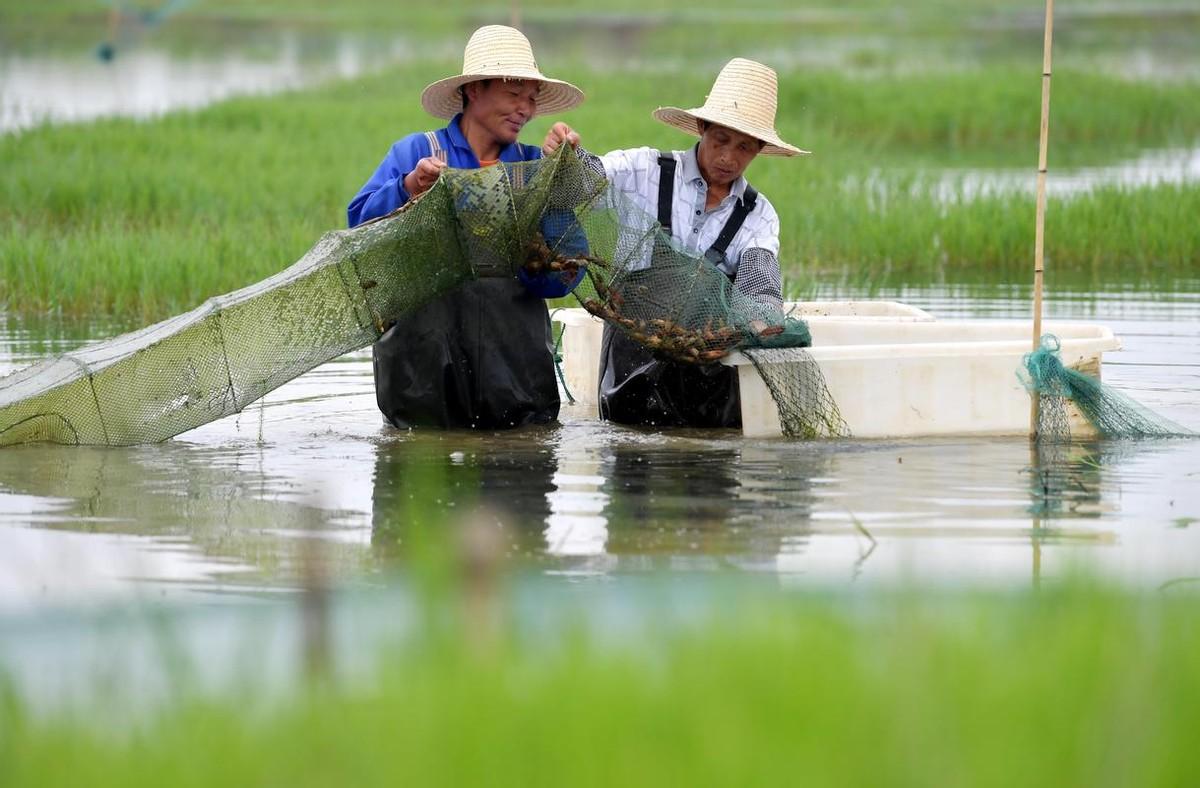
239, 499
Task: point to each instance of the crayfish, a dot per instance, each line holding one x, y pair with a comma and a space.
540, 258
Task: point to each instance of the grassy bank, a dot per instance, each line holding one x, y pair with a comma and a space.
1064, 688
144, 219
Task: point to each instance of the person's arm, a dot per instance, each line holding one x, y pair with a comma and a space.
621, 167
758, 273
549, 284
758, 277
566, 238
625, 169
629, 170
591, 161
406, 170
560, 230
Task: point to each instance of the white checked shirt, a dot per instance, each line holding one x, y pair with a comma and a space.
636, 173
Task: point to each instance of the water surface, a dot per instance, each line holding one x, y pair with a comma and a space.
237, 505
94, 64
146, 79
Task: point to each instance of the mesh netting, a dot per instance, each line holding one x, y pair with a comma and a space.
181, 373
550, 217
806, 408
1110, 413
681, 307
666, 298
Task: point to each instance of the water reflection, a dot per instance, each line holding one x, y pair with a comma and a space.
149, 80
590, 498
577, 526
586, 497
671, 508
229, 507
435, 480
164, 518
1169, 167
1065, 480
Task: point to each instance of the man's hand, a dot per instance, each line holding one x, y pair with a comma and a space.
557, 135
424, 175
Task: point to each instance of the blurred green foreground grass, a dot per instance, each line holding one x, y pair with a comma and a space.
1066, 687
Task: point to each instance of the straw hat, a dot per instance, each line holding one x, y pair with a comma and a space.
498, 52
743, 98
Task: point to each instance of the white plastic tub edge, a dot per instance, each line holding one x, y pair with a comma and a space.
927, 388
901, 376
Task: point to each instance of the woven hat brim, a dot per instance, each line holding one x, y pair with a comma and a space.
442, 100
685, 121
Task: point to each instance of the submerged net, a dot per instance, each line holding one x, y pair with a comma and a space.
1110, 413
155, 383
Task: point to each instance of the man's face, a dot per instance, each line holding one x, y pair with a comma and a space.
724, 154
503, 107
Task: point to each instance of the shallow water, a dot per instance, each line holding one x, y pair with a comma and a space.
243, 505
145, 79
86, 68
1173, 166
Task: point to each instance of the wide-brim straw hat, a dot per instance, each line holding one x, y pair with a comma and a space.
498, 52
744, 98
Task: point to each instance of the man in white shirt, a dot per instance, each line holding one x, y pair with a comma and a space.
702, 199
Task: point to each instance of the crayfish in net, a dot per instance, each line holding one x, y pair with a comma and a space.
664, 336
540, 258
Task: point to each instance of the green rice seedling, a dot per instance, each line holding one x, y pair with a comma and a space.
1074, 686
143, 219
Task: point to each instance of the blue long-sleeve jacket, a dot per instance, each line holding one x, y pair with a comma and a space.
384, 191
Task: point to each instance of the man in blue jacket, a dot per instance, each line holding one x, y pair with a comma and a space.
480, 357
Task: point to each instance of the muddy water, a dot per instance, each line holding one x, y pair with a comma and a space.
243, 505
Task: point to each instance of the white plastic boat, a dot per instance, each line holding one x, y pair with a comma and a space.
892, 369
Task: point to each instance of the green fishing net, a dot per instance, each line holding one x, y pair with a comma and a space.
552, 217
1109, 412
667, 298
556, 217
797, 385
215, 360
680, 306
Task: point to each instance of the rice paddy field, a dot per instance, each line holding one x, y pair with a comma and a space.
170, 210
299, 596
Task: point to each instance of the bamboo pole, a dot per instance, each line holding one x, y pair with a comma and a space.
1039, 233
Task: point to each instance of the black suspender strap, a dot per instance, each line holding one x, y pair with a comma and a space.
666, 190
735, 221
666, 193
